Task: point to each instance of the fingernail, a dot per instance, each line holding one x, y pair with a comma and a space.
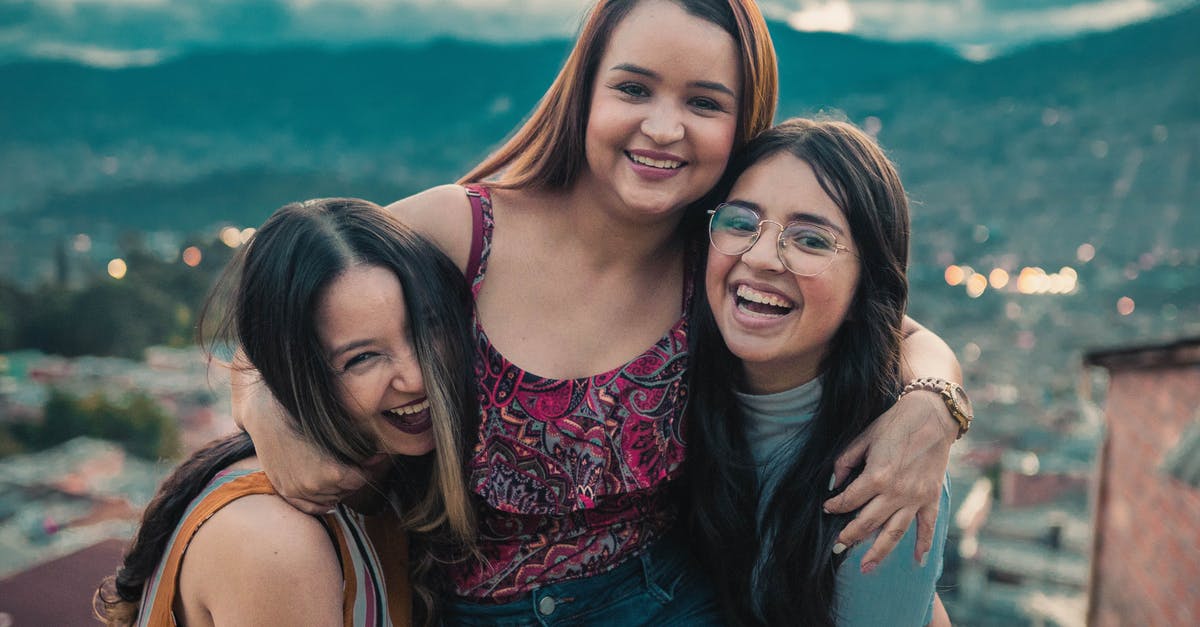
825, 509
869, 567
924, 559
832, 481
838, 548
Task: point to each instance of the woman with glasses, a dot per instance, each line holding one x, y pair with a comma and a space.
579, 235
797, 353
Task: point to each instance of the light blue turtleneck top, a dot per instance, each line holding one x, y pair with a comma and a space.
900, 590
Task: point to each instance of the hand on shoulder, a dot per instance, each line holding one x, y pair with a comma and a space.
259, 561
442, 214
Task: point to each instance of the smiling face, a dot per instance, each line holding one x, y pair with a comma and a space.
778, 323
362, 324
664, 109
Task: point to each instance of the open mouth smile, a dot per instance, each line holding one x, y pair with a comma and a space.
661, 164
761, 304
412, 418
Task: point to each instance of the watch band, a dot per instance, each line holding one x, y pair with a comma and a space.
951, 393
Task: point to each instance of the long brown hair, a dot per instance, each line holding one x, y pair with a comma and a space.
547, 151
265, 305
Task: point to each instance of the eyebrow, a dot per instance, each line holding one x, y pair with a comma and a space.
349, 346
795, 216
637, 69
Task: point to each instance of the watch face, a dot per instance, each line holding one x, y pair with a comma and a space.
960, 398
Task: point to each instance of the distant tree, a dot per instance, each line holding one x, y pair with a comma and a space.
154, 303
12, 304
135, 421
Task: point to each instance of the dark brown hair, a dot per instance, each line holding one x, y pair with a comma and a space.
860, 377
270, 293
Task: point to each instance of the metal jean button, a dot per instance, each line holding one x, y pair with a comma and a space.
546, 606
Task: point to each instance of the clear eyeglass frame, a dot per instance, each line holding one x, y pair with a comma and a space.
809, 263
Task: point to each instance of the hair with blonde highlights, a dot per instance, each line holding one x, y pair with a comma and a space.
268, 299
547, 151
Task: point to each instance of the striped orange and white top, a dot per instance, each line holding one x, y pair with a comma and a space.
373, 552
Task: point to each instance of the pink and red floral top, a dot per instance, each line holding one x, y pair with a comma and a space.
574, 473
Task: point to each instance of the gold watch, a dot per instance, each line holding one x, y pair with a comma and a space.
952, 394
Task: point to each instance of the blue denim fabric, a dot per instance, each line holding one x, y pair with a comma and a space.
663, 586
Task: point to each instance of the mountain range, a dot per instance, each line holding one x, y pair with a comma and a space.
1017, 161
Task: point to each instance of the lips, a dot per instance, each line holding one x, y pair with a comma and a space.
413, 417
654, 165
761, 303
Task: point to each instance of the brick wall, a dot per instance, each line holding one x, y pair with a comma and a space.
1146, 560
1021, 490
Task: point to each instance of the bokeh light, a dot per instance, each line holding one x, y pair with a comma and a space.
1085, 252
231, 236
1031, 280
117, 268
246, 234
192, 256
971, 352
976, 284
955, 275
1125, 305
998, 278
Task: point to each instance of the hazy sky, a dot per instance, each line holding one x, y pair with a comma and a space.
132, 32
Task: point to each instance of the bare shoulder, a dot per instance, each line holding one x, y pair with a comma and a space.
260, 561
442, 214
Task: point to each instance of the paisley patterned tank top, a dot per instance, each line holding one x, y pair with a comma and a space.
574, 473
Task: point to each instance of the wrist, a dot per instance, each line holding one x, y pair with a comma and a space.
954, 404
946, 425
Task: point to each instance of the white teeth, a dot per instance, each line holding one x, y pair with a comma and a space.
409, 410
655, 163
766, 299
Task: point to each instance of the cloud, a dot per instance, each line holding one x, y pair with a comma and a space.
116, 32
976, 27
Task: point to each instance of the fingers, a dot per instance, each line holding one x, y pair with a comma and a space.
887, 539
870, 518
926, 526
314, 508
851, 458
867, 485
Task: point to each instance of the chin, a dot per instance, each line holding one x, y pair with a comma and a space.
413, 446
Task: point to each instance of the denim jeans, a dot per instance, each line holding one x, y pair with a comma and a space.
662, 586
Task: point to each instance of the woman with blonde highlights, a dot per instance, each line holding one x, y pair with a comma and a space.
359, 327
580, 237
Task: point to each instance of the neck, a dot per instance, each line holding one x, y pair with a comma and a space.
609, 233
769, 378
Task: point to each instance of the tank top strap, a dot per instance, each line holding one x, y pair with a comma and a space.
159, 596
482, 224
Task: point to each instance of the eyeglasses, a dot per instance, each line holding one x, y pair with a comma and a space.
805, 248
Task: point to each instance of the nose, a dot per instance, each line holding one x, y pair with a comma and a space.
764, 254
663, 125
407, 378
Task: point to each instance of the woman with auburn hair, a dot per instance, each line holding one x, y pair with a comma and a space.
797, 353
580, 237
359, 327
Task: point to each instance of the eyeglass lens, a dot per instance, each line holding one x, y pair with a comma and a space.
804, 248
